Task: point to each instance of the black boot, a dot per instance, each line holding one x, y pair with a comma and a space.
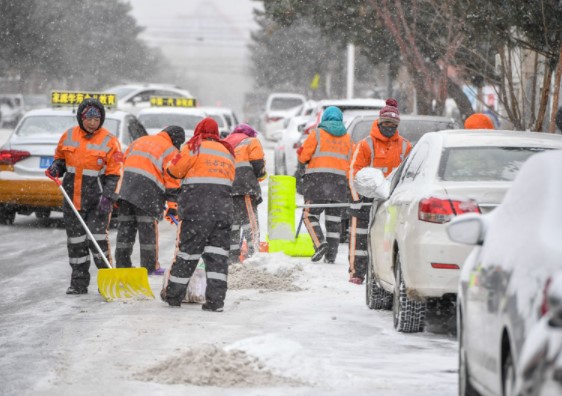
320, 252
76, 290
212, 307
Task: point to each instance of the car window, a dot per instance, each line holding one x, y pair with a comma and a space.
414, 129
284, 103
167, 94
135, 129
229, 121
121, 92
483, 163
143, 96
360, 130
415, 163
161, 121
56, 125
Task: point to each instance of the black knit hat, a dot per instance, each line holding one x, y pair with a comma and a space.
177, 134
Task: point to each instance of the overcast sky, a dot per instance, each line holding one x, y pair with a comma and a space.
206, 41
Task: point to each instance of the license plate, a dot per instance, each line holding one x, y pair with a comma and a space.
45, 162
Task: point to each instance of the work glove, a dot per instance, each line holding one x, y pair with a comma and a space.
56, 169
301, 169
172, 210
104, 205
263, 177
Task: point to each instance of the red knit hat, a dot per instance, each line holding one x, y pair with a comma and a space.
390, 112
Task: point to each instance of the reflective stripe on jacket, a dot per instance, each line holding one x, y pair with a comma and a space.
328, 159
93, 163
206, 180
379, 152
250, 166
145, 183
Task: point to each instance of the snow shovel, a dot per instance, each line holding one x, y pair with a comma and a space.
114, 283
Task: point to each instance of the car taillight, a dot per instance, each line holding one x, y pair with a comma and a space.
10, 157
437, 210
544, 304
273, 119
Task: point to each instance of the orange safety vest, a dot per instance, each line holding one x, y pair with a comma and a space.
378, 151
88, 160
326, 153
144, 170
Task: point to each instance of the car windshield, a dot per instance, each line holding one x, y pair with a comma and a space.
285, 103
412, 130
56, 125
161, 121
121, 92
484, 163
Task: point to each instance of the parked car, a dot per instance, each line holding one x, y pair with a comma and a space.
505, 283
412, 126
11, 109
278, 108
414, 267
286, 151
29, 150
135, 97
224, 116
154, 119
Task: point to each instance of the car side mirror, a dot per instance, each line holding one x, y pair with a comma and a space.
468, 229
371, 183
300, 128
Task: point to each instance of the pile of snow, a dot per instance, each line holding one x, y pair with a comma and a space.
257, 274
209, 365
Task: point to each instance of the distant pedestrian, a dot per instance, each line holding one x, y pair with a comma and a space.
324, 160
478, 121
383, 149
246, 191
146, 190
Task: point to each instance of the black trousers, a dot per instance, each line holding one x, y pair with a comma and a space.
201, 238
79, 246
332, 217
132, 219
245, 226
358, 241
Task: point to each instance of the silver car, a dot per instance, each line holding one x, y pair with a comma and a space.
24, 188
504, 283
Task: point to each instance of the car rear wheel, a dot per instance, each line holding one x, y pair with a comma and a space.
376, 296
7, 215
465, 386
408, 314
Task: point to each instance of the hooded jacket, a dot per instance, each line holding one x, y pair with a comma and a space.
327, 153
92, 161
378, 151
145, 183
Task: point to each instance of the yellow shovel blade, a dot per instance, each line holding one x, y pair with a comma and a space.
117, 283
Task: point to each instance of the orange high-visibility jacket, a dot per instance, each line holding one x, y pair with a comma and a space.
145, 182
328, 158
378, 151
250, 166
206, 184
93, 165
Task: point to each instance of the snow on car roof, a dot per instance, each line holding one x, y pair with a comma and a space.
353, 102
173, 110
486, 137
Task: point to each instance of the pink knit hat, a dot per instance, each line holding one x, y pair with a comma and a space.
390, 112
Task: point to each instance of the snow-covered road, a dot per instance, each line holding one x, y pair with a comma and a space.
318, 339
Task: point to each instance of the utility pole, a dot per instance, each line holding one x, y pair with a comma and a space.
350, 69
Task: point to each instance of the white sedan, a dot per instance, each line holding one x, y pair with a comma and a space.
510, 291
414, 267
155, 119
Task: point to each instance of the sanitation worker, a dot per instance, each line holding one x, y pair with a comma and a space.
145, 189
478, 121
90, 159
324, 158
384, 149
206, 168
246, 191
